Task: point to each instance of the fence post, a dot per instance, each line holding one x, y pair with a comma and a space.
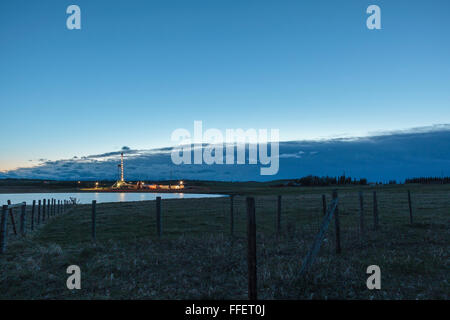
410, 208
231, 215
32, 214
309, 259
375, 211
22, 219
49, 209
3, 230
251, 253
278, 215
11, 214
43, 210
361, 213
39, 212
324, 204
337, 224
158, 217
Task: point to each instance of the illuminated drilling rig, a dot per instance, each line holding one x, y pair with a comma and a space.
121, 168
121, 184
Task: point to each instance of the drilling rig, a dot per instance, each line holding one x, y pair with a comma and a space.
121, 184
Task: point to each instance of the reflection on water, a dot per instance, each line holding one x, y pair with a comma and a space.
87, 197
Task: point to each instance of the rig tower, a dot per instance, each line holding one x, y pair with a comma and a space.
121, 167
121, 184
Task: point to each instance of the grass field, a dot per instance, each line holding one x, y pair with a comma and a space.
197, 258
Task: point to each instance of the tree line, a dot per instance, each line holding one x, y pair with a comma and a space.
429, 180
327, 181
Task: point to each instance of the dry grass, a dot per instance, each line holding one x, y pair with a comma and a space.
198, 259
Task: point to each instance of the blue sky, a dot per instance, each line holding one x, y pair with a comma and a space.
137, 70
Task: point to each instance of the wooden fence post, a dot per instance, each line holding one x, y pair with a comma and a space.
158, 217
22, 219
94, 235
410, 208
337, 224
43, 210
312, 253
3, 230
11, 215
361, 213
39, 212
49, 209
375, 211
251, 253
231, 215
278, 215
324, 204
32, 214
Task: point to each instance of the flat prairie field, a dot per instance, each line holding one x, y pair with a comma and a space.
198, 256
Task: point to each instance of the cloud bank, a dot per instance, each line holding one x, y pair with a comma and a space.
383, 157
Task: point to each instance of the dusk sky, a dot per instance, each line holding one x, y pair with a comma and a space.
138, 70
